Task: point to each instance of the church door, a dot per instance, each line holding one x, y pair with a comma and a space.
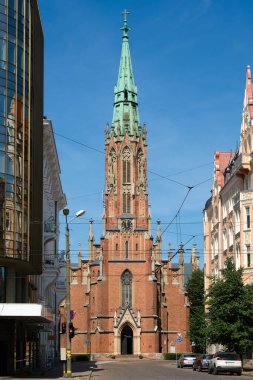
127, 341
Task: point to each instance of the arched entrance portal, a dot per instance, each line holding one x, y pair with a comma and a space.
127, 341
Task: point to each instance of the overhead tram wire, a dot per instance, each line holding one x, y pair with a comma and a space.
150, 171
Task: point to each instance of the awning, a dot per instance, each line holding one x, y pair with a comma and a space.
27, 311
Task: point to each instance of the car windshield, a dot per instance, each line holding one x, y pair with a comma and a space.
190, 356
207, 356
229, 356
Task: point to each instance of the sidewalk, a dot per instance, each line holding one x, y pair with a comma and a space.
80, 371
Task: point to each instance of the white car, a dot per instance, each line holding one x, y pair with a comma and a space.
186, 360
225, 361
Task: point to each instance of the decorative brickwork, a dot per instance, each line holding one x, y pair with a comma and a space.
126, 298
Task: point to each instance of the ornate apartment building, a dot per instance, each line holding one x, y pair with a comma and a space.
228, 214
126, 298
50, 285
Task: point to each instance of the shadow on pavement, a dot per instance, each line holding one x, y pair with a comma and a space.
79, 369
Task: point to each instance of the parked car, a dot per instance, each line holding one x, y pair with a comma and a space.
225, 362
201, 362
186, 360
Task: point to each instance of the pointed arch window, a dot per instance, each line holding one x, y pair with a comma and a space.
126, 284
126, 203
126, 250
126, 164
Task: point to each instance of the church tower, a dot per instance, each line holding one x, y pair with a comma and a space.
120, 292
126, 195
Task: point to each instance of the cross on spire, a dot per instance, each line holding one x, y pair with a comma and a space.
125, 14
125, 28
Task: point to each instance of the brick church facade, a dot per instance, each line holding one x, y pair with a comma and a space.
126, 298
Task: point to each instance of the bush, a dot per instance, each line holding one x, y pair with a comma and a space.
81, 358
171, 355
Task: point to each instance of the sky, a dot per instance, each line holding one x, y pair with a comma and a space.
189, 60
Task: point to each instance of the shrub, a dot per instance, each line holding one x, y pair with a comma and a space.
171, 355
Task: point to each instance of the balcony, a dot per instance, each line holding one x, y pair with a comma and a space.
246, 195
241, 164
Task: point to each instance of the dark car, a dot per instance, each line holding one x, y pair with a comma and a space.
202, 362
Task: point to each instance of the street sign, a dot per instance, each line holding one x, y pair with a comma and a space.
179, 337
87, 341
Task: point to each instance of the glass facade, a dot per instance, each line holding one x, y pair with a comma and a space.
14, 128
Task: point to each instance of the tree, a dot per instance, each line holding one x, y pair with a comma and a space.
195, 290
230, 310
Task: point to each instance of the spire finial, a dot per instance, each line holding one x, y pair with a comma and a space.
125, 27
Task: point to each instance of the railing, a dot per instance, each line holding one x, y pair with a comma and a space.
241, 160
246, 195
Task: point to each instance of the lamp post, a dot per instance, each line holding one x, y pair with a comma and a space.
68, 371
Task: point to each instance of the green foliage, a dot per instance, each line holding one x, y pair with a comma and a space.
171, 355
197, 326
230, 310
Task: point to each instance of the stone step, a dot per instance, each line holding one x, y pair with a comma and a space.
128, 357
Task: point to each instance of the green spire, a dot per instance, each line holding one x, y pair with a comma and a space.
125, 111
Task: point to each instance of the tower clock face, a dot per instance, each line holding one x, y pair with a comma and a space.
127, 225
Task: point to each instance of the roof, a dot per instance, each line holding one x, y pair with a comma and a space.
221, 161
125, 92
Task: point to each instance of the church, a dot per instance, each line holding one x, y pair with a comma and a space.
126, 299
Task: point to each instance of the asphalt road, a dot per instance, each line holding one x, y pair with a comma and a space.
149, 370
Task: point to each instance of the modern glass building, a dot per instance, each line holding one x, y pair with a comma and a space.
21, 168
21, 139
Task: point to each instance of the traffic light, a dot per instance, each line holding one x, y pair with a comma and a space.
63, 327
71, 330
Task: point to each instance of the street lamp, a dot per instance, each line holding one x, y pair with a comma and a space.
68, 372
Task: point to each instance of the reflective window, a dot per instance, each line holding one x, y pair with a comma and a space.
2, 105
2, 17
3, 50
12, 30
20, 58
12, 4
11, 53
3, 9
2, 90
21, 7
3, 26
2, 161
10, 168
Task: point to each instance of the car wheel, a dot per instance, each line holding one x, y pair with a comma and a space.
239, 373
215, 372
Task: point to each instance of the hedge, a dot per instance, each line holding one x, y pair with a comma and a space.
171, 355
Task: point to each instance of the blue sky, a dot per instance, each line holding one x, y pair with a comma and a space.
189, 60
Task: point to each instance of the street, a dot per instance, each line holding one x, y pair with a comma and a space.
148, 370
128, 370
